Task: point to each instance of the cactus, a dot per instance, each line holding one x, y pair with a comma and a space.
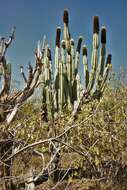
94, 58
85, 64
102, 57
66, 84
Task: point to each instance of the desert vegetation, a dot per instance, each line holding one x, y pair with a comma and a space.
73, 134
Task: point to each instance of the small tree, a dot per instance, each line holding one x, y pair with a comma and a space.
10, 102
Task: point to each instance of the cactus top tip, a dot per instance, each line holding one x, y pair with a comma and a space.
66, 16
63, 44
58, 28
96, 24
49, 54
72, 42
81, 38
103, 35
58, 33
109, 59
77, 77
79, 44
84, 50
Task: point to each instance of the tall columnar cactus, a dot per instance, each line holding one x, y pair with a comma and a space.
63, 91
102, 57
66, 30
77, 57
85, 64
94, 58
73, 59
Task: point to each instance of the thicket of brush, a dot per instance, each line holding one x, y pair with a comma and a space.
99, 134
73, 136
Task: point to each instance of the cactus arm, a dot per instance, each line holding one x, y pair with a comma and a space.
103, 51
57, 60
102, 58
49, 104
66, 30
69, 67
61, 84
106, 71
73, 59
43, 45
78, 87
39, 54
63, 55
77, 57
50, 66
85, 64
65, 77
66, 35
94, 59
57, 50
69, 76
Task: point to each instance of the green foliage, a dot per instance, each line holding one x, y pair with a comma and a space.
100, 134
101, 131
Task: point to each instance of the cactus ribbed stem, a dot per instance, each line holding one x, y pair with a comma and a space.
64, 72
50, 66
77, 57
85, 63
39, 49
94, 59
69, 79
61, 86
57, 50
57, 60
49, 104
78, 87
69, 68
66, 30
63, 56
72, 60
102, 58
106, 71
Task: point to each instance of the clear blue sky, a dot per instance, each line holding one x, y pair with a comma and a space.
34, 18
